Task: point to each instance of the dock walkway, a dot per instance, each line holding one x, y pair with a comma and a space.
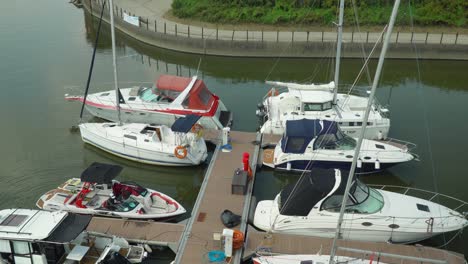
198, 239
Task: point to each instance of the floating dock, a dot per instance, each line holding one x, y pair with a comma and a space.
201, 233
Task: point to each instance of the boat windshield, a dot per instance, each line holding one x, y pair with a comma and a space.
361, 200
336, 141
124, 206
147, 95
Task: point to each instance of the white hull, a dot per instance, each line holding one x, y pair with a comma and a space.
156, 205
298, 259
143, 150
399, 221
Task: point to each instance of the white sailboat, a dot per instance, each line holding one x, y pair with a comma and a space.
179, 145
311, 206
97, 192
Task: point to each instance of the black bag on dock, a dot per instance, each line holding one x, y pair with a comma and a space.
230, 219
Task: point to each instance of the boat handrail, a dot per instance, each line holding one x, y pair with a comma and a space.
405, 190
398, 142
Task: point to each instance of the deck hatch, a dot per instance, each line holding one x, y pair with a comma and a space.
422, 207
14, 220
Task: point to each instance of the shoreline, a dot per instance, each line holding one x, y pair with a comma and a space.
166, 34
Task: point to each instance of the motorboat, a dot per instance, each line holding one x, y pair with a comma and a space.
309, 143
315, 101
97, 192
312, 206
305, 259
42, 237
179, 145
172, 97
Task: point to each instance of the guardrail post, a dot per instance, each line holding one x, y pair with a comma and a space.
216, 32
308, 35
397, 35
155, 26
412, 33
165, 28
456, 38
277, 35
247, 34
147, 24
188, 31
352, 36
175, 28
322, 36
441, 37
262, 34
367, 37
121, 14
232, 38
427, 34
292, 36
202, 33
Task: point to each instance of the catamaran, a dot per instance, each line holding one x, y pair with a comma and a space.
172, 97
97, 192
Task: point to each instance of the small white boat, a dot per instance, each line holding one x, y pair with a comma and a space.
171, 98
306, 259
315, 102
312, 208
308, 144
150, 144
97, 193
42, 237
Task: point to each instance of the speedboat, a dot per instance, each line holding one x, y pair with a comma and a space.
172, 97
98, 193
315, 101
41, 237
312, 206
308, 144
179, 145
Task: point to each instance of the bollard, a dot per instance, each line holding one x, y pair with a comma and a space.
277, 35
216, 32
322, 36
175, 29
188, 31
262, 34
164, 28
367, 37
441, 37
155, 26
352, 36
456, 38
247, 33
308, 35
202, 32
412, 33
427, 34
292, 37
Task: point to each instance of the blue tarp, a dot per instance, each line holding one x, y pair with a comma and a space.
299, 133
184, 124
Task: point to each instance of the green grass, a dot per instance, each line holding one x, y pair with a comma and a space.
287, 12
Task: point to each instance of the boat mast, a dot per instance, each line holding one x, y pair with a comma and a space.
114, 61
364, 125
338, 50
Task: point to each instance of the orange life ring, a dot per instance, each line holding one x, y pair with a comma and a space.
180, 152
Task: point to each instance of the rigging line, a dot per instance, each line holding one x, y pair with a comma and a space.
425, 118
369, 79
92, 61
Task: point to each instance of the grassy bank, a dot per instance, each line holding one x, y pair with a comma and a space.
452, 13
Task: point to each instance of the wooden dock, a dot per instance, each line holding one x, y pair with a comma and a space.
214, 198
192, 241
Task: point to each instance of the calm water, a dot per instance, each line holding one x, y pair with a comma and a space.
45, 51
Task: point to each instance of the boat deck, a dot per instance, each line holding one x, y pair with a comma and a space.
263, 243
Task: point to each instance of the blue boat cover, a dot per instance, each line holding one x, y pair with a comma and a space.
184, 124
299, 133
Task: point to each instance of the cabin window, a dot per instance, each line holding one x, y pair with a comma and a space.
21, 247
104, 94
311, 107
130, 137
5, 246
295, 144
337, 141
204, 96
148, 96
132, 98
327, 106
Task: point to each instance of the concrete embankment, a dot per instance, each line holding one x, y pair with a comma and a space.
160, 32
